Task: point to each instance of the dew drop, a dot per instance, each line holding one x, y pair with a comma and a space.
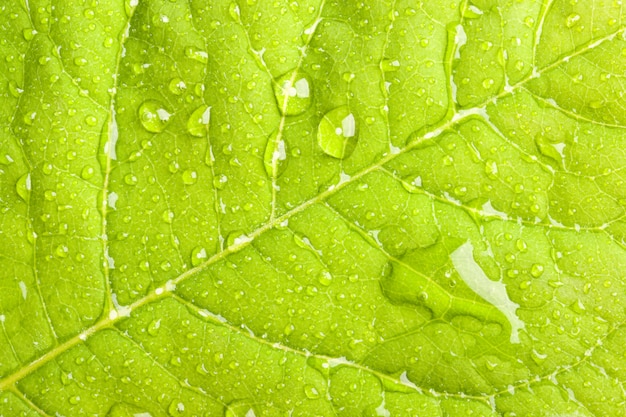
293, 93
198, 255
177, 86
198, 122
29, 34
153, 116
23, 187
311, 392
61, 251
14, 89
153, 327
388, 65
176, 408
572, 20
190, 177
196, 54
337, 133
130, 179
536, 270
275, 157
167, 216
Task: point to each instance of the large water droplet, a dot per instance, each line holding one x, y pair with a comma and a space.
198, 122
275, 158
153, 116
293, 93
23, 187
337, 133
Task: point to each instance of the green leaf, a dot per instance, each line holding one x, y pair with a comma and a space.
312, 208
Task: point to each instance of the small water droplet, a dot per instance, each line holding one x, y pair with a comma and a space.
153, 327
311, 392
197, 54
130, 179
198, 255
177, 86
176, 408
153, 116
337, 133
190, 177
572, 20
198, 122
61, 251
167, 216
536, 270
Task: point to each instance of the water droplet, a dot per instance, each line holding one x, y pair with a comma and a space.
50, 195
177, 86
325, 278
14, 89
23, 187
190, 177
167, 216
293, 93
337, 133
198, 122
153, 327
74, 400
87, 173
311, 392
29, 34
275, 157
235, 13
239, 409
572, 20
536, 270
198, 255
388, 65
289, 329
546, 148
130, 179
176, 408
61, 251
80, 61
488, 82
196, 54
91, 120
153, 116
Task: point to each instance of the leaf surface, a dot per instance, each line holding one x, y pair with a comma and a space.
314, 208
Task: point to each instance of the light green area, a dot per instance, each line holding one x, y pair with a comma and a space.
314, 208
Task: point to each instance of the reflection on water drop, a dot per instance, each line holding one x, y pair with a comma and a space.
293, 93
337, 133
153, 116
